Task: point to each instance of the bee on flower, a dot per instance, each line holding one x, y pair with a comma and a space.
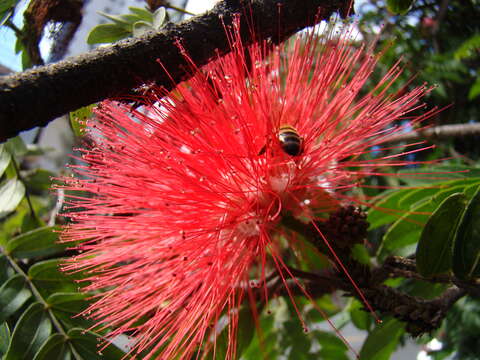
179, 204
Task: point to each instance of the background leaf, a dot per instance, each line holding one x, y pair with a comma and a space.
16, 146
4, 159
107, 33
434, 249
407, 229
466, 251
39, 180
159, 17
31, 331
55, 348
13, 294
86, 344
78, 119
141, 27
381, 342
11, 193
48, 278
6, 9
399, 6
4, 337
40, 242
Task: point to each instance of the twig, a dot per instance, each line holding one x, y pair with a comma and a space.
420, 315
14, 28
39, 95
437, 133
180, 10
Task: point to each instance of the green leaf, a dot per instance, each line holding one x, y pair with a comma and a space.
78, 119
18, 46
268, 343
47, 270
360, 318
474, 89
73, 303
131, 18
246, 329
141, 27
466, 250
291, 333
7, 5
416, 196
382, 341
31, 222
144, 14
328, 306
470, 191
4, 338
7, 8
439, 175
159, 17
5, 269
5, 15
17, 222
66, 306
48, 278
86, 344
331, 354
116, 19
469, 48
107, 33
4, 159
423, 289
16, 146
360, 253
392, 206
399, 6
434, 249
26, 60
40, 242
39, 180
11, 193
406, 230
329, 341
32, 330
55, 348
13, 294
385, 211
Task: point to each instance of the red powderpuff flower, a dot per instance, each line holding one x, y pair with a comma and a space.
179, 204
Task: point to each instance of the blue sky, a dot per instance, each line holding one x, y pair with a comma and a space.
8, 57
7, 53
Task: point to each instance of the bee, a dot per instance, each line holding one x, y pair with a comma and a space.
289, 140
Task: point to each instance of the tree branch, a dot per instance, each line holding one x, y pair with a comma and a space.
420, 315
39, 95
437, 133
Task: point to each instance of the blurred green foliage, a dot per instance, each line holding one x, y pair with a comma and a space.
438, 42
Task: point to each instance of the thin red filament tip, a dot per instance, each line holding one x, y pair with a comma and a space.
347, 274
280, 264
